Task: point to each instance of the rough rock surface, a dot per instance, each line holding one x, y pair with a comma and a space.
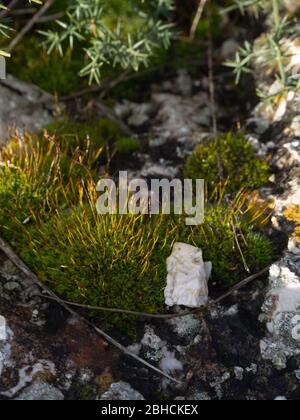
23, 106
281, 310
41, 391
227, 353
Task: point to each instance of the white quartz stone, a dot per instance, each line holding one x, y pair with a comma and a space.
187, 278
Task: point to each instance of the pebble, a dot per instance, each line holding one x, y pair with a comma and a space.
3, 329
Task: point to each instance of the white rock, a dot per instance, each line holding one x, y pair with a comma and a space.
187, 278
16, 107
121, 391
3, 330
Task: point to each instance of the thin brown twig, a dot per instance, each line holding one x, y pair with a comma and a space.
197, 18
10, 6
30, 25
9, 252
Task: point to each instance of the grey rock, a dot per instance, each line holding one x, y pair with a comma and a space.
159, 171
19, 108
121, 391
40, 391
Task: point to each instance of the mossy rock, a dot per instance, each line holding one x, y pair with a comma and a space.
240, 165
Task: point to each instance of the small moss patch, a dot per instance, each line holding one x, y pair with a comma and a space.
74, 134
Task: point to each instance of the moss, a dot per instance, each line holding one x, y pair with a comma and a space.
128, 145
239, 163
84, 392
53, 73
97, 134
232, 243
292, 214
114, 261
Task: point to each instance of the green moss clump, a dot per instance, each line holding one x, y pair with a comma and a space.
240, 165
233, 245
128, 145
73, 134
112, 261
